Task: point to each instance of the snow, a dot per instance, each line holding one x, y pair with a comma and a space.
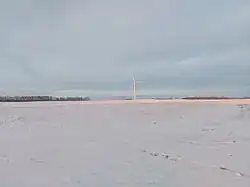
159, 144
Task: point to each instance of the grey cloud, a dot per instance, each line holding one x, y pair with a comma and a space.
48, 46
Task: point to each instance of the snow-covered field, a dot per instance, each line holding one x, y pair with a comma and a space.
132, 145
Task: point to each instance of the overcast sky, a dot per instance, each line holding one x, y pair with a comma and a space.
71, 46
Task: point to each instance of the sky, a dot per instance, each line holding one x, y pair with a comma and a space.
81, 47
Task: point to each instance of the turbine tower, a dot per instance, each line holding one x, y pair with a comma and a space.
134, 88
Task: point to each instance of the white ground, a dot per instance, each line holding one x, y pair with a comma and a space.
73, 144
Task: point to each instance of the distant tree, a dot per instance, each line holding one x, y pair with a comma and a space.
86, 99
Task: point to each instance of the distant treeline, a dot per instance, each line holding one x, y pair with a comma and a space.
213, 98
194, 98
40, 98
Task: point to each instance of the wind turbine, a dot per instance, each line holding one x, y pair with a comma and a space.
134, 88
135, 82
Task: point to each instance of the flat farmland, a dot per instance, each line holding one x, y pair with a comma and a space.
130, 144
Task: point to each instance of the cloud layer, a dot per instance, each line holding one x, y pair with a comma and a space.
52, 46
